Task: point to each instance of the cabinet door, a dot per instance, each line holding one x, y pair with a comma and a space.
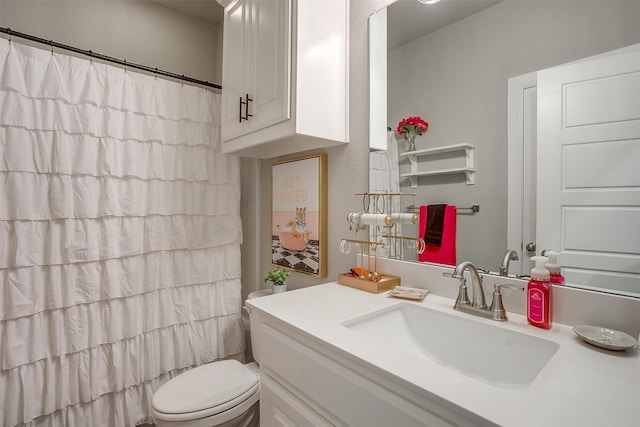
278, 408
235, 66
315, 379
257, 65
272, 59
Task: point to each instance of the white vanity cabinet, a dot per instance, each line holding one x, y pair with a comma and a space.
284, 76
304, 382
315, 370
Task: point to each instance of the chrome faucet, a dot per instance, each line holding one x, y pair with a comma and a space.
478, 307
477, 292
508, 256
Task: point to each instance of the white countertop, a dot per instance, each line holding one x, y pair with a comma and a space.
582, 385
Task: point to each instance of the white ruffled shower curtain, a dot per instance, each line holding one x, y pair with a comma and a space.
120, 239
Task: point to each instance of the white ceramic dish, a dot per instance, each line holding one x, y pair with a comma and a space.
605, 338
408, 293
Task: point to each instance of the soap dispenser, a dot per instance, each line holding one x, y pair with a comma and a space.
539, 295
555, 272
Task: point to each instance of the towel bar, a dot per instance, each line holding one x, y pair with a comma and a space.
473, 209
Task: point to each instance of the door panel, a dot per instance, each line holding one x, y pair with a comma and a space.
581, 160
588, 183
235, 66
272, 63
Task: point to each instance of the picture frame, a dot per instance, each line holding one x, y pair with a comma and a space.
299, 214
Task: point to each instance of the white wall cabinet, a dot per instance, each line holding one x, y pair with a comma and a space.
284, 76
256, 81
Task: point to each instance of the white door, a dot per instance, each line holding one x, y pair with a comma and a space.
588, 180
521, 210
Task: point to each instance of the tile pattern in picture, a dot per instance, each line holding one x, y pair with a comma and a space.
304, 261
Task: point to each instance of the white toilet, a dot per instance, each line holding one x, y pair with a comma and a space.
219, 394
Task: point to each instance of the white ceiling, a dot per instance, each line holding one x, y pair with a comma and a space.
408, 20
208, 11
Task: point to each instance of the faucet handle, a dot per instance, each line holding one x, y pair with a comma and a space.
454, 276
463, 296
497, 307
496, 287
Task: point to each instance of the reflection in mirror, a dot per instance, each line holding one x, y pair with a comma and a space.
456, 79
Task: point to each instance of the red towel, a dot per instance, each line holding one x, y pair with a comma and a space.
446, 252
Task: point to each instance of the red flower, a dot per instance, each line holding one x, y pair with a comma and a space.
410, 127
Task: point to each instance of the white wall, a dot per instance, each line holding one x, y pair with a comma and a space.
456, 79
137, 31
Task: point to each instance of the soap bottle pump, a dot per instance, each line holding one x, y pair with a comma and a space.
555, 272
539, 295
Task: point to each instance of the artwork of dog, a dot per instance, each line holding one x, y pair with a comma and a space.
298, 225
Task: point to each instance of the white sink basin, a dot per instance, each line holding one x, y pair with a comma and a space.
489, 353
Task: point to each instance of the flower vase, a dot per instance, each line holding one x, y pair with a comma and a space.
411, 127
412, 143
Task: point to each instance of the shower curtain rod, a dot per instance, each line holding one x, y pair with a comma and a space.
99, 56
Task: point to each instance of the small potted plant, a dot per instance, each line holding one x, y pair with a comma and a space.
278, 277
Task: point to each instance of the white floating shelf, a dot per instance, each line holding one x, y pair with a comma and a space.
468, 169
438, 150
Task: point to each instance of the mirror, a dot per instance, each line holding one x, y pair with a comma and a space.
455, 78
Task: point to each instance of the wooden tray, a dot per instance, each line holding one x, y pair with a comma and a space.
387, 283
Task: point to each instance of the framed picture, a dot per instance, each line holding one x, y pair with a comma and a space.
299, 214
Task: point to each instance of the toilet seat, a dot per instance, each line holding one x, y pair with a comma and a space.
206, 391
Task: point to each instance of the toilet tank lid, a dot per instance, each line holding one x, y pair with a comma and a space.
260, 293
204, 387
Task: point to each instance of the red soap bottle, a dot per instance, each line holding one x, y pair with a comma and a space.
555, 272
539, 295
